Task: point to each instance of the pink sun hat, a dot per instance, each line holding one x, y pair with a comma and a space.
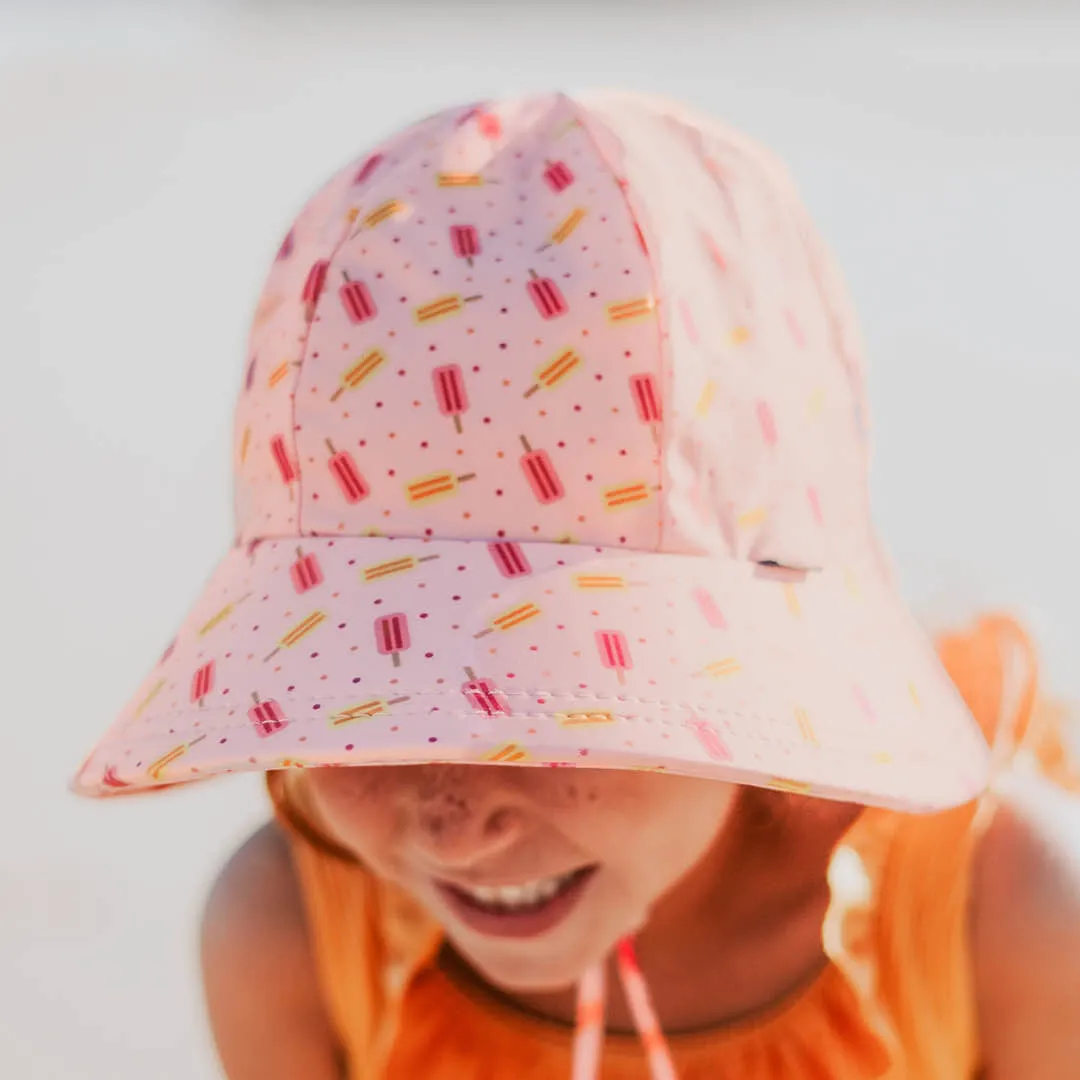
551, 451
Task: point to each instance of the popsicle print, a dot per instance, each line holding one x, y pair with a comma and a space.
313, 286
510, 620
646, 397
562, 365
202, 682
221, 615
287, 245
558, 176
368, 168
443, 308
110, 778
439, 485
465, 242
280, 372
711, 739
353, 486
283, 461
392, 636
566, 228
623, 495
766, 422
540, 472
364, 711
507, 754
806, 726
298, 633
459, 180
157, 768
150, 695
614, 652
723, 668
629, 311
388, 210
709, 610
484, 696
509, 558
359, 372
450, 393
546, 296
357, 300
401, 565
267, 717
306, 573
603, 582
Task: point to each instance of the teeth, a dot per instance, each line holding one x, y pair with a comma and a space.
528, 894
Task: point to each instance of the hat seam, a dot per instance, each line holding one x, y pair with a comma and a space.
664, 366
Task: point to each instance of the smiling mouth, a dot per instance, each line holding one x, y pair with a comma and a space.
525, 910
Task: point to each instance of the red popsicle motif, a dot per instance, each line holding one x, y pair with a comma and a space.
510, 558
267, 717
484, 696
392, 636
202, 682
306, 573
313, 286
545, 294
709, 610
541, 474
450, 392
465, 242
283, 461
353, 486
711, 739
614, 652
357, 300
368, 168
647, 401
558, 176
767, 423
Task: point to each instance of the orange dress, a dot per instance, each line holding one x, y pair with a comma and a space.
894, 1001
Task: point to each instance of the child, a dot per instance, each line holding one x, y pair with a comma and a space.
551, 458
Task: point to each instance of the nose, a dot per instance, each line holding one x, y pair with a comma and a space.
464, 815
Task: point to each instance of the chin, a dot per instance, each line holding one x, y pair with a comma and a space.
544, 972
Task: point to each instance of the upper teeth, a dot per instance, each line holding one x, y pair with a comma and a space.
531, 892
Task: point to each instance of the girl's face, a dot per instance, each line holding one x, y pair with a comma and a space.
608, 844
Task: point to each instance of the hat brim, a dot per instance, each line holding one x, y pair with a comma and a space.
374, 651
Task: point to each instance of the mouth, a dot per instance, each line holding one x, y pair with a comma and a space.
520, 911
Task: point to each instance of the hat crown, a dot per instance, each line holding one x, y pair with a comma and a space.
534, 320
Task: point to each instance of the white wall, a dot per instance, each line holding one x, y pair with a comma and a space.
148, 165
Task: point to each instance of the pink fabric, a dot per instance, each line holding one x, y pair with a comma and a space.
533, 391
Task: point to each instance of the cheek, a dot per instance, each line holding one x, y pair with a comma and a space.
358, 812
652, 840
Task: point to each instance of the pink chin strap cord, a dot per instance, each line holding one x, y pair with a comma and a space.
589, 1035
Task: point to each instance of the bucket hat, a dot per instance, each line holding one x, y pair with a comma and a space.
551, 450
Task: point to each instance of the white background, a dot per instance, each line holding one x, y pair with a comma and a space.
150, 160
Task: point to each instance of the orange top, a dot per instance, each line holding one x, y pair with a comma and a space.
895, 999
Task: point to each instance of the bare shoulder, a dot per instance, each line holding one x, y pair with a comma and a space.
1025, 931
262, 995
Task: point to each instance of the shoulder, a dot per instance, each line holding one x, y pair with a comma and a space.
259, 976
1025, 931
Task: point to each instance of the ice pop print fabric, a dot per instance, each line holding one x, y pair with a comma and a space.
551, 450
